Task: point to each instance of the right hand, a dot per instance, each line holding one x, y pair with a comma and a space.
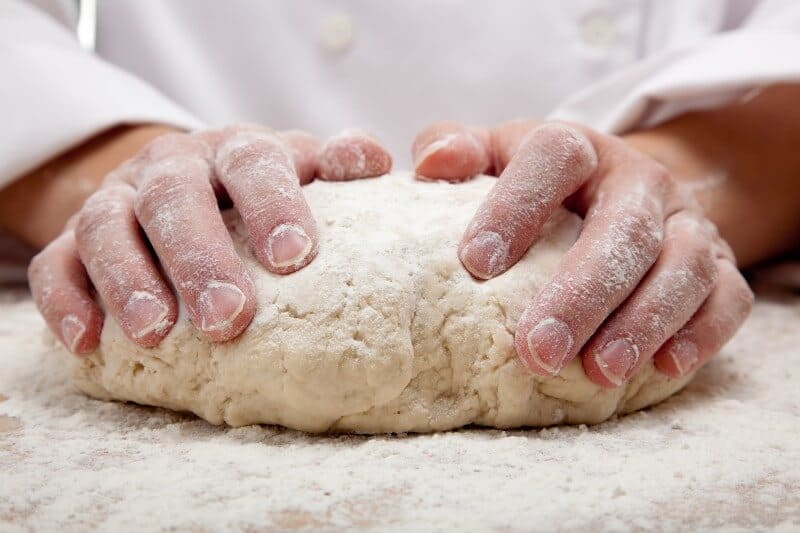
157, 218
649, 276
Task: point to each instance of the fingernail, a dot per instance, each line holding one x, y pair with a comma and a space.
144, 314
485, 255
437, 144
549, 344
72, 330
219, 305
685, 355
616, 359
288, 245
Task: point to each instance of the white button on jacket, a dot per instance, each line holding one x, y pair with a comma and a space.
337, 32
598, 30
389, 66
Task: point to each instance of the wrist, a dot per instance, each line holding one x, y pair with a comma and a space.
701, 167
741, 163
696, 158
36, 206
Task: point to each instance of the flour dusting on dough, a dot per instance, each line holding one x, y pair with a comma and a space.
384, 331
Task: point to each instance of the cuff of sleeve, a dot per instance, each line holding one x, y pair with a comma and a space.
56, 97
723, 69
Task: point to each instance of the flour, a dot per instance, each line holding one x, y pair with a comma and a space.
721, 454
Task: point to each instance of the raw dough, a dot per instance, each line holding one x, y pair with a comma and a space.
383, 332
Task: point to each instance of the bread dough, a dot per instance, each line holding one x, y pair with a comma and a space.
383, 332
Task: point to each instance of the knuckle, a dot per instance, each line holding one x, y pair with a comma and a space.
102, 208
262, 151
573, 146
685, 227
704, 264
658, 178
646, 229
124, 173
694, 247
163, 186
210, 137
172, 145
707, 265
174, 157
704, 267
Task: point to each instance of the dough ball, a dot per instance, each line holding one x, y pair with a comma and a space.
383, 332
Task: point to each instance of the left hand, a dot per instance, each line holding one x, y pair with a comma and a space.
153, 232
649, 276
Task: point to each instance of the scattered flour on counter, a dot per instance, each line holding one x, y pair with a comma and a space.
73, 463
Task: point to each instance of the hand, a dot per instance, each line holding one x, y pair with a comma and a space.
649, 276
170, 190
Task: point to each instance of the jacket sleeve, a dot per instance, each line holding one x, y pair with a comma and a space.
722, 69
54, 95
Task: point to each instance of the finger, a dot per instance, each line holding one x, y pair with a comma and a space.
550, 165
620, 241
213, 138
257, 170
124, 174
61, 290
121, 267
668, 296
450, 151
303, 148
350, 155
506, 139
711, 327
176, 207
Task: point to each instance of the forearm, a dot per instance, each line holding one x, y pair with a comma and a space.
35, 207
743, 165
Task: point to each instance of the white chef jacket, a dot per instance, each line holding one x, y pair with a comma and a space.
390, 66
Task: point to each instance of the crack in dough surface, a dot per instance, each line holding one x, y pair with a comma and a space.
384, 332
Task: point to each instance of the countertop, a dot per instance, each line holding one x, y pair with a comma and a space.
724, 453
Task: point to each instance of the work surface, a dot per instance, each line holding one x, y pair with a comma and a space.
723, 453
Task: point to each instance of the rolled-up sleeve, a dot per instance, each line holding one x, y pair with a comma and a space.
724, 68
54, 95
